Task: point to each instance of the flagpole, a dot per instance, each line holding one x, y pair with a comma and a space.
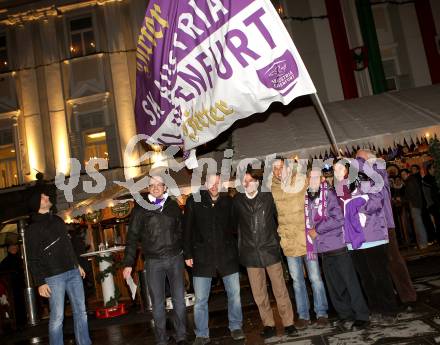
328, 128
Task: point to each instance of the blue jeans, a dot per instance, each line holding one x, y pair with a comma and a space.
202, 287
71, 283
299, 286
419, 227
157, 272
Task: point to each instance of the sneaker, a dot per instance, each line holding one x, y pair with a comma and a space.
237, 334
360, 324
201, 341
301, 324
321, 322
290, 331
268, 332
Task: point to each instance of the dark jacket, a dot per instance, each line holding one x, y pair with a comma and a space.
431, 191
258, 240
208, 236
49, 250
414, 191
159, 231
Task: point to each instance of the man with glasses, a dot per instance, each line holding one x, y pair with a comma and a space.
211, 249
158, 227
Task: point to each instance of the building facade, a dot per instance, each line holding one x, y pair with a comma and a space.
67, 69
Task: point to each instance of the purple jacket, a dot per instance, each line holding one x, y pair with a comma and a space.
376, 226
330, 228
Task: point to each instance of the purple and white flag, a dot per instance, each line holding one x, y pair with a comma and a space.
204, 64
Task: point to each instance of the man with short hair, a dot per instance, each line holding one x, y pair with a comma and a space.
259, 251
291, 228
159, 229
211, 249
55, 269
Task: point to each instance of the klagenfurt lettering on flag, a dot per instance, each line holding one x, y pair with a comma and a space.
204, 64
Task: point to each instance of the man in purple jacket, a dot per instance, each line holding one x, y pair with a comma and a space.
325, 222
370, 256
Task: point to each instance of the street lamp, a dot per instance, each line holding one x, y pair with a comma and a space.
29, 293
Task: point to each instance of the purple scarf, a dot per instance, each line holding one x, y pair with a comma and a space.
311, 255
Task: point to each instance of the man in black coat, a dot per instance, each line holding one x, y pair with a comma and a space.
55, 269
211, 249
12, 264
158, 227
259, 249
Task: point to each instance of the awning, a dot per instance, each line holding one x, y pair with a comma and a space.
116, 194
381, 120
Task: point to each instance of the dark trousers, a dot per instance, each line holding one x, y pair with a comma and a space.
399, 271
373, 268
343, 286
435, 213
157, 272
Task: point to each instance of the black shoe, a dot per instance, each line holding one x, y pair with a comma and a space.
360, 324
346, 325
290, 331
268, 332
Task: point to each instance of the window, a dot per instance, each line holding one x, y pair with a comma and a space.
3, 54
82, 37
95, 146
391, 74
8, 162
94, 136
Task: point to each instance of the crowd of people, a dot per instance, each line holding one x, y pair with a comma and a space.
416, 205
351, 231
347, 230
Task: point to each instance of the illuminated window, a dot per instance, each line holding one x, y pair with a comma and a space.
4, 64
8, 162
82, 37
95, 146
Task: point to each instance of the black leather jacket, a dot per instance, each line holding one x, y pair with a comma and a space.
160, 232
49, 249
258, 240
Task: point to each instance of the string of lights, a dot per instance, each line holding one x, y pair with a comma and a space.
303, 19
392, 2
68, 60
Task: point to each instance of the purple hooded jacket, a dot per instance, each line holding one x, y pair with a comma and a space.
329, 229
376, 225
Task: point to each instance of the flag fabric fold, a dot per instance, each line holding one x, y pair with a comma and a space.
204, 64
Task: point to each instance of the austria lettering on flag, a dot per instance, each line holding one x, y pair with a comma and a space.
204, 64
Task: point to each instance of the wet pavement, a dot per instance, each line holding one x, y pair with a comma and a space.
419, 324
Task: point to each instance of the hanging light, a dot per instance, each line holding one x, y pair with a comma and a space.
279, 7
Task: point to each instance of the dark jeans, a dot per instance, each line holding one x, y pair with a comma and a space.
343, 286
373, 268
157, 272
399, 271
